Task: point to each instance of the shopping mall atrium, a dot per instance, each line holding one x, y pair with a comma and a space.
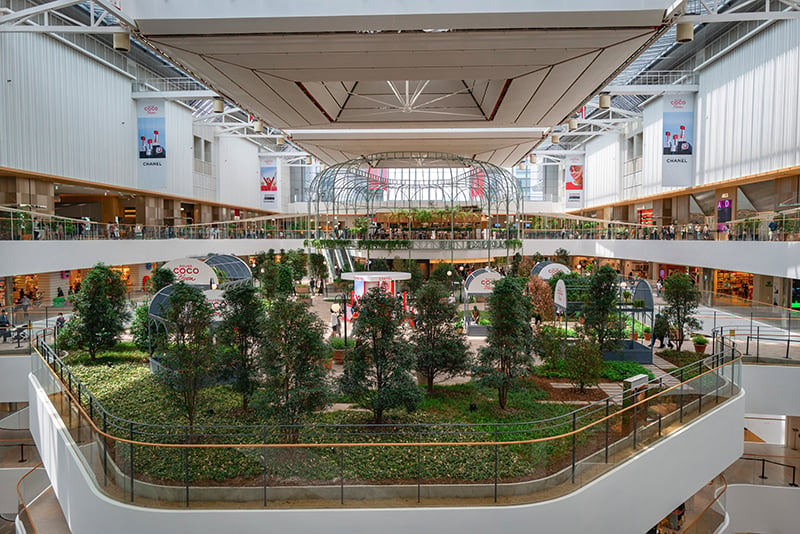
656, 137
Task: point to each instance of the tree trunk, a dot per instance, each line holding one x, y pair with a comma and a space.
429, 376
379, 416
502, 392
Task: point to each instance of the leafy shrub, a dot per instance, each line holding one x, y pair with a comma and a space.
699, 339
618, 371
337, 343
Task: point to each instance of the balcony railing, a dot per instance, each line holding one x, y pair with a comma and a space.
334, 465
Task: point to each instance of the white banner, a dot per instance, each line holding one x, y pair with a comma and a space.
574, 169
677, 150
151, 144
191, 271
560, 295
268, 186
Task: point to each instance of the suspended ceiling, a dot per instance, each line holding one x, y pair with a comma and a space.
344, 82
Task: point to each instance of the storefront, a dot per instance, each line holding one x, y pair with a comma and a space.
735, 284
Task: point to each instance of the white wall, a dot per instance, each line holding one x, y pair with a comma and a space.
180, 152
13, 373
9, 476
770, 258
761, 508
748, 107
650, 486
238, 172
603, 183
772, 389
63, 113
41, 256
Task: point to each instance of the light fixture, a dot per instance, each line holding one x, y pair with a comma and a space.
280, 141
259, 127
449, 273
308, 160
532, 158
122, 42
555, 139
684, 32
572, 124
605, 101
219, 105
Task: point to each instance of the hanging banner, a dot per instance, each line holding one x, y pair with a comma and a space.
476, 185
378, 183
574, 167
677, 165
151, 142
269, 184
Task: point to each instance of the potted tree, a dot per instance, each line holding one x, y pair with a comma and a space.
700, 343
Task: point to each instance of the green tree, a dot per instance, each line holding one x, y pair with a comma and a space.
584, 362
410, 266
240, 334
440, 350
562, 256
266, 272
378, 264
440, 273
297, 262
600, 308
509, 346
291, 362
190, 358
147, 337
682, 301
285, 286
317, 267
100, 309
161, 278
378, 370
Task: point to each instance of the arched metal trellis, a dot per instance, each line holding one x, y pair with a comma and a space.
398, 185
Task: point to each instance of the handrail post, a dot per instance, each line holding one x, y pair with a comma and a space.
186, 466
131, 453
419, 463
574, 442
793, 481
607, 421
105, 449
681, 403
660, 380
78, 410
762, 476
635, 411
758, 342
497, 458
264, 462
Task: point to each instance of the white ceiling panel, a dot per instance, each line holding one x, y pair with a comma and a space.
526, 67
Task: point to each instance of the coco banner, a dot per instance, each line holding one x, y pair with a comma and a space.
151, 144
677, 147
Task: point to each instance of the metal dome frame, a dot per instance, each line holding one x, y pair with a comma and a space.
390, 181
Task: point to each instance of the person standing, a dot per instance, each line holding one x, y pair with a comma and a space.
334, 323
5, 331
312, 284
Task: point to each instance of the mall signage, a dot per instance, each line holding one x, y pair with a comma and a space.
481, 282
560, 295
677, 147
192, 271
268, 183
151, 144
574, 169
